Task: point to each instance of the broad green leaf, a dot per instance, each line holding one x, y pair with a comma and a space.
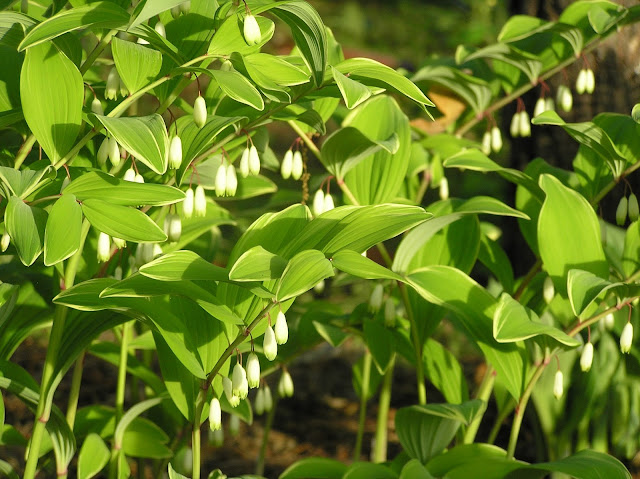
21, 182
380, 343
275, 69
414, 470
444, 371
242, 410
373, 73
362, 267
94, 455
96, 15
54, 115
85, 296
630, 257
481, 461
315, 468
102, 186
367, 470
309, 34
13, 26
503, 52
137, 65
591, 136
253, 186
123, 222
183, 265
143, 438
145, 137
229, 38
347, 147
425, 431
63, 233
238, 88
602, 20
26, 226
132, 414
474, 308
331, 334
173, 474
378, 178
496, 260
514, 322
257, 264
352, 91
568, 241
150, 8
518, 27
584, 288
303, 272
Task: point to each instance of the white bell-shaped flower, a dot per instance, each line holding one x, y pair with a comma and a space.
287, 165
253, 370
215, 414
200, 202
252, 34
269, 344
297, 166
281, 328
187, 204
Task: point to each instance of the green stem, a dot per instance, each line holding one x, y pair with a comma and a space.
527, 279
122, 369
596, 199
347, 192
499, 421
384, 401
417, 345
364, 392
265, 436
74, 393
102, 44
484, 392
25, 149
520, 408
24, 6
195, 434
307, 141
424, 185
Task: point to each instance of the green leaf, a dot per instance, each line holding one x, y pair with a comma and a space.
229, 38
584, 288
373, 73
22, 182
630, 257
414, 470
309, 34
137, 65
63, 232
145, 137
96, 15
331, 334
183, 265
496, 260
425, 431
514, 322
242, 410
274, 69
380, 343
26, 226
132, 414
122, 221
54, 115
173, 474
474, 308
150, 8
591, 136
303, 272
102, 186
352, 91
444, 371
94, 455
525, 62
315, 468
367, 470
347, 147
602, 20
145, 439
362, 267
13, 26
481, 461
238, 88
257, 264
568, 241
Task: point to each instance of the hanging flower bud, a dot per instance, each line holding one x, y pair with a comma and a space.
156, 250
175, 152
633, 207
564, 98
297, 166
65, 182
144, 253
200, 202
586, 358
496, 139
548, 290
4, 242
234, 425
104, 247
221, 180
444, 189
139, 178
589, 82
185, 7
558, 385
486, 143
525, 124
254, 161
514, 128
215, 415
142, 41
252, 34
172, 227
319, 287
549, 105
268, 398
117, 273
119, 243
114, 152
328, 203
281, 328
389, 313
187, 204
216, 437
318, 203
96, 107
232, 181
287, 165
227, 66
113, 85
609, 321
253, 370
175, 11
124, 91
269, 344
375, 300
581, 82
285, 385
258, 404
159, 28
540, 107
103, 151
244, 163
626, 338
227, 387
621, 211
129, 175
240, 386
200, 111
